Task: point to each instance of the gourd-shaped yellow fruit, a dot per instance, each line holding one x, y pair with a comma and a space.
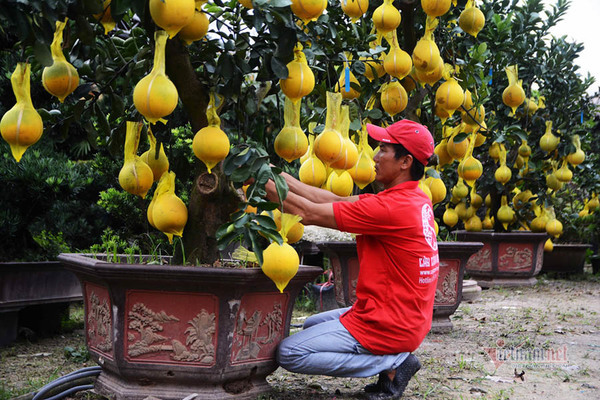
578, 156
313, 171
397, 63
450, 96
441, 113
521, 198
355, 8
503, 173
149, 210
530, 106
340, 184
474, 115
552, 181
505, 214
554, 227
311, 142
197, 28
564, 174
410, 82
105, 17
471, 19
474, 224
347, 91
488, 200
425, 188
436, 8
430, 77
363, 171
300, 80
158, 162
594, 203
246, 3
514, 95
393, 97
538, 224
386, 17
437, 188
349, 156
460, 190
476, 200
329, 144
155, 96
373, 67
548, 245
488, 222
457, 149
470, 168
450, 217
441, 150
169, 213
426, 54
464, 212
281, 262
172, 15
524, 149
549, 142
211, 144
480, 138
61, 78
494, 150
295, 233
291, 142
135, 176
21, 126
308, 10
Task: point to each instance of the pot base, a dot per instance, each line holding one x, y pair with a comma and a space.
487, 283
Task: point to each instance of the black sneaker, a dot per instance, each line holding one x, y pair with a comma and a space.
394, 389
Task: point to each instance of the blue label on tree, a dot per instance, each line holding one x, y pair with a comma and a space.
347, 79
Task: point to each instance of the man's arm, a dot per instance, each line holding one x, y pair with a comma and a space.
314, 194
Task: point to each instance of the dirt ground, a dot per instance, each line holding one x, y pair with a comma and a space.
545, 341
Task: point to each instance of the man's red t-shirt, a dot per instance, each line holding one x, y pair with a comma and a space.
399, 262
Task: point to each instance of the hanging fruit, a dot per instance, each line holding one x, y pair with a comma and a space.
457, 145
430, 77
21, 126
538, 224
393, 97
347, 82
354, 8
548, 245
294, 234
105, 17
301, 80
460, 190
471, 19
340, 184
281, 262
564, 174
578, 156
426, 54
397, 62
155, 96
449, 95
505, 214
349, 150
386, 17
308, 10
169, 213
363, 172
436, 8
197, 28
503, 173
291, 142
211, 144
329, 143
553, 227
474, 224
61, 78
135, 176
156, 160
474, 115
470, 168
450, 216
514, 95
436, 187
549, 142
488, 222
312, 171
172, 15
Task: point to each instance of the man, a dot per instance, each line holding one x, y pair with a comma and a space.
398, 257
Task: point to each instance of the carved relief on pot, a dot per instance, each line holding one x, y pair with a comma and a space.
447, 288
171, 328
98, 319
482, 260
514, 257
259, 327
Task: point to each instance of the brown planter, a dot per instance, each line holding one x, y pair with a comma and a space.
171, 331
506, 259
566, 258
453, 258
34, 294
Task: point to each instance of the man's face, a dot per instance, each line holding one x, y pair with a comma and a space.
387, 167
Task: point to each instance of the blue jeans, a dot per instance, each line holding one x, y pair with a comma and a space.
325, 347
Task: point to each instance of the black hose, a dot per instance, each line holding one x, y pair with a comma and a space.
65, 384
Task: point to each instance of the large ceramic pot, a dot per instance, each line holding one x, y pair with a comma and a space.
566, 258
172, 331
453, 258
35, 295
506, 258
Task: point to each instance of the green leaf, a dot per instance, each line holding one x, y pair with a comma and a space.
42, 54
279, 68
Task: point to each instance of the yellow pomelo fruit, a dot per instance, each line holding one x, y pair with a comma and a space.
471, 20
476, 201
397, 63
313, 172
549, 142
349, 156
449, 96
552, 182
442, 152
460, 190
464, 212
60, 79
355, 8
295, 233
564, 174
494, 151
457, 150
538, 224
157, 165
196, 29
291, 143
505, 214
136, 177
329, 145
524, 150
435, 8
341, 184
280, 264
410, 82
513, 96
341, 86
473, 224
373, 67
386, 18
426, 56
548, 246
308, 10
437, 188
172, 15
450, 217
169, 214
363, 172
470, 169
211, 146
394, 98
425, 188
432, 76
300, 81
503, 174
149, 211
554, 227
475, 116
576, 157
155, 96
487, 223
442, 113
105, 17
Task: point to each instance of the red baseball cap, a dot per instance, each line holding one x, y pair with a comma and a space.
415, 137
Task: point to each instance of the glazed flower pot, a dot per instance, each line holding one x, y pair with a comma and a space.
453, 258
35, 295
566, 258
172, 331
506, 259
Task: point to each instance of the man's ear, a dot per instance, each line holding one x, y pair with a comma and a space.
407, 161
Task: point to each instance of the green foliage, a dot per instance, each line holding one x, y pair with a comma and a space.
79, 354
